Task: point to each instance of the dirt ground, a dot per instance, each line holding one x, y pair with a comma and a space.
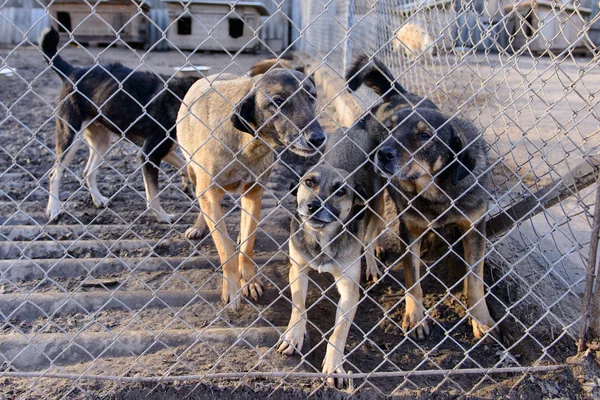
125, 230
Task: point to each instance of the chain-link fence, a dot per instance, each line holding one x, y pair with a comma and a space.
464, 176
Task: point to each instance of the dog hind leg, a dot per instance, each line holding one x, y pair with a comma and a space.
68, 124
98, 139
150, 158
178, 163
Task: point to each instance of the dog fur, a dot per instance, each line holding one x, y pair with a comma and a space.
264, 66
326, 235
394, 97
413, 41
439, 176
228, 131
87, 91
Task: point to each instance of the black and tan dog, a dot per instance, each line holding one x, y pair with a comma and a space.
113, 99
327, 235
228, 131
440, 173
393, 96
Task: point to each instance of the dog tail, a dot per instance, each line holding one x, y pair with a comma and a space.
49, 43
265, 65
375, 75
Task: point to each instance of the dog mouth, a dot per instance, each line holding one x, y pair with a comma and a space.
303, 148
385, 170
314, 221
388, 171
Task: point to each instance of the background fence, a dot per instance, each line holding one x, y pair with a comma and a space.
109, 295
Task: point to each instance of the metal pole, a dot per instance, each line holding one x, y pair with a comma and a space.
590, 275
347, 44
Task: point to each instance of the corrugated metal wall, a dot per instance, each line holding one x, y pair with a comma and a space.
19, 23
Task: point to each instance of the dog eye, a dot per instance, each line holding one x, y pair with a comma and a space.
278, 101
309, 182
424, 136
341, 192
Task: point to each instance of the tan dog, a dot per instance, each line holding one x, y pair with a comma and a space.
413, 41
326, 235
228, 132
264, 66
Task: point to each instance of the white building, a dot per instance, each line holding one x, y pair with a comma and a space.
214, 25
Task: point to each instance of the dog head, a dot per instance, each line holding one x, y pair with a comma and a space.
328, 196
282, 110
423, 145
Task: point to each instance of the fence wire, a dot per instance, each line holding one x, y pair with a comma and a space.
111, 274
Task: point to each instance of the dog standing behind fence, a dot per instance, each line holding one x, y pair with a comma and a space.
413, 41
327, 234
228, 131
143, 110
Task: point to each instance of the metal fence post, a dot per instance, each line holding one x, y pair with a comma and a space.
347, 44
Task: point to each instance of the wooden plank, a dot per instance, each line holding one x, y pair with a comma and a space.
581, 177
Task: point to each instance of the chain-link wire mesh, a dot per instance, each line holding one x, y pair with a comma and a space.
110, 279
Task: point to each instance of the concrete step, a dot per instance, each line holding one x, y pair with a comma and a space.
27, 269
41, 350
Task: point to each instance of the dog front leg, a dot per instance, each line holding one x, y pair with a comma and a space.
347, 285
200, 229
251, 204
414, 321
210, 204
375, 225
295, 333
474, 245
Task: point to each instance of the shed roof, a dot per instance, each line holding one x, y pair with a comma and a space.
260, 7
144, 4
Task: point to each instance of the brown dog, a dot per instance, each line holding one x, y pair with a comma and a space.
228, 132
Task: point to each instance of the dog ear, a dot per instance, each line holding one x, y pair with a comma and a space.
360, 199
243, 116
293, 190
311, 78
464, 163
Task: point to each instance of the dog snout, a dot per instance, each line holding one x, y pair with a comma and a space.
317, 139
387, 154
313, 205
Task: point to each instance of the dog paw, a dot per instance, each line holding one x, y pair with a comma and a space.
373, 273
414, 322
52, 212
100, 201
335, 368
194, 233
189, 191
483, 323
230, 296
162, 218
293, 340
380, 252
252, 289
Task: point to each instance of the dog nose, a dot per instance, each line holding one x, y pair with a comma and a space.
387, 154
313, 206
317, 139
